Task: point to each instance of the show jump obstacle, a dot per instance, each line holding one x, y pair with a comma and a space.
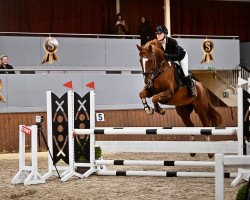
71, 116
71, 119
242, 162
236, 147
28, 174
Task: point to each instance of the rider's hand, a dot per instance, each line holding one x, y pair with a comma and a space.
166, 56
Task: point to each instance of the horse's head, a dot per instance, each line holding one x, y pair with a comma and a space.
151, 55
152, 60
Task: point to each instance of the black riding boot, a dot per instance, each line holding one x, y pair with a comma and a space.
190, 86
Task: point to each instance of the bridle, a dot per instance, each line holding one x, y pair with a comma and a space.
155, 72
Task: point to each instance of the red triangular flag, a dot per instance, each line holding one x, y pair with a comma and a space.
68, 85
91, 85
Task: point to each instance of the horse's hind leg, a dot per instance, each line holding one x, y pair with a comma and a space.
205, 122
184, 112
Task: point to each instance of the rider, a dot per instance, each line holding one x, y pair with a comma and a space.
173, 52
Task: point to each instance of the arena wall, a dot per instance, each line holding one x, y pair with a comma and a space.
112, 53
113, 118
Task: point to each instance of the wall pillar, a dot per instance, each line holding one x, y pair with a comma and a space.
167, 15
118, 6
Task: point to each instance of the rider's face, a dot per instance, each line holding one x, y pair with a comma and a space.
5, 60
160, 36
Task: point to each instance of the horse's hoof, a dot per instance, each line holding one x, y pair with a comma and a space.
162, 112
210, 155
149, 111
159, 110
192, 154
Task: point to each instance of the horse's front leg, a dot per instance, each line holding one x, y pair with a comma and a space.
143, 95
164, 96
159, 109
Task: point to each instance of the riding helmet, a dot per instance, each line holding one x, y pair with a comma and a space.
161, 29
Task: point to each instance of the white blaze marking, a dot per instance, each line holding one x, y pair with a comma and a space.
144, 60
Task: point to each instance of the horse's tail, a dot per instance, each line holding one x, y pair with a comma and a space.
213, 115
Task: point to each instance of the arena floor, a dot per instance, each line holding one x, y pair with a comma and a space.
114, 187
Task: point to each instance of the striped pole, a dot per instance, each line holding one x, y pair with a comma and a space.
155, 163
159, 131
163, 174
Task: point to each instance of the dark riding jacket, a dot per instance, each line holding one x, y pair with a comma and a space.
173, 51
7, 66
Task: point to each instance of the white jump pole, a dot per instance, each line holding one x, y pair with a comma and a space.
222, 161
156, 163
72, 163
159, 131
160, 173
170, 146
240, 121
248, 85
28, 174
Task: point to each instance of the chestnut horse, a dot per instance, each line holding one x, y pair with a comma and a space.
160, 84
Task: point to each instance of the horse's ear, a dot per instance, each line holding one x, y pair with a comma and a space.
139, 47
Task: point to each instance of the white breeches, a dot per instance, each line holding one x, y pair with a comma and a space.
184, 64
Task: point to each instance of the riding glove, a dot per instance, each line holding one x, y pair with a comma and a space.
166, 56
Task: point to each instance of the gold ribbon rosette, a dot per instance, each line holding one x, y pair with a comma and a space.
207, 48
1, 96
50, 45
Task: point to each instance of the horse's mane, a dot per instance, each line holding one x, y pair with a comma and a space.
154, 42
156, 45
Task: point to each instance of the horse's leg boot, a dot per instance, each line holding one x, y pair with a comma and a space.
147, 108
190, 86
158, 109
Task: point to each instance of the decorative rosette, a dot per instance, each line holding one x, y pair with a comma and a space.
50, 45
207, 48
1, 96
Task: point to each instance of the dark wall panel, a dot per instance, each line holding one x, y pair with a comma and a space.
208, 17
76, 16
57, 16
132, 11
195, 17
